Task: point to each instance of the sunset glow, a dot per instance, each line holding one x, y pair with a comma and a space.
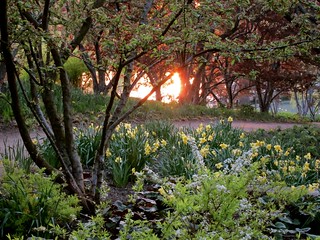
169, 91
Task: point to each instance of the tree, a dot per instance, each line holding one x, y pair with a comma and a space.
242, 30
46, 34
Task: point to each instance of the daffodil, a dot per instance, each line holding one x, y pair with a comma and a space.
313, 187
224, 146
147, 148
118, 160
306, 167
210, 138
108, 153
242, 135
202, 140
317, 164
292, 169
277, 148
162, 191
307, 156
200, 128
184, 138
156, 145
204, 151
219, 165
163, 143
230, 119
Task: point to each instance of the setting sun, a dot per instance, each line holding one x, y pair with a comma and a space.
169, 91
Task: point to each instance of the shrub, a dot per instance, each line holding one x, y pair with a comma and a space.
75, 67
30, 203
214, 205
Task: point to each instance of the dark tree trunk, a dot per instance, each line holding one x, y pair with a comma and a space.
11, 75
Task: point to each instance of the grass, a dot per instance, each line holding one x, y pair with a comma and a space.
90, 108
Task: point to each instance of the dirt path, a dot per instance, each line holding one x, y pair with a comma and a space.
11, 137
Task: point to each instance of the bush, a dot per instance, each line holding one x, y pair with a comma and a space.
31, 203
75, 67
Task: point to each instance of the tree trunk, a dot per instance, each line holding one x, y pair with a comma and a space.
15, 105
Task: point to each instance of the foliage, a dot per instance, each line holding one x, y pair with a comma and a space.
5, 111
47, 151
87, 142
302, 139
17, 156
75, 68
30, 203
93, 229
129, 151
228, 182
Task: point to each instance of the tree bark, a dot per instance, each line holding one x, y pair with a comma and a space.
15, 105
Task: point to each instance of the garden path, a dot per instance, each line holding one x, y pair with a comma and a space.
10, 137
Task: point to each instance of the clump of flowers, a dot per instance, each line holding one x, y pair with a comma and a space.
130, 148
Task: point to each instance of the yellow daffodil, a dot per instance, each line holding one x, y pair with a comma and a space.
147, 148
219, 165
307, 156
292, 169
210, 138
224, 146
163, 143
242, 135
269, 146
214, 153
317, 164
230, 119
162, 191
200, 128
204, 151
241, 144
156, 145
277, 148
236, 152
313, 187
118, 160
108, 153
306, 167
184, 138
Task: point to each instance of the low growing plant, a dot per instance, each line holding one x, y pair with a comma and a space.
30, 203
